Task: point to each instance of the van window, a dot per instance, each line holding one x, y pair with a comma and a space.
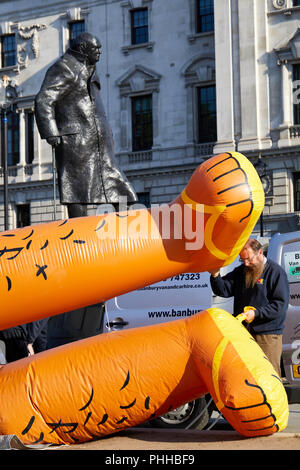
291, 264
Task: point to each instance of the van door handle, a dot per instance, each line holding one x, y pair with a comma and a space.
118, 322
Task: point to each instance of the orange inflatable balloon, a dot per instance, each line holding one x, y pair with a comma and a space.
100, 385
95, 387
64, 265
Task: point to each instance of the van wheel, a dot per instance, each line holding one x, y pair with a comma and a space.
192, 415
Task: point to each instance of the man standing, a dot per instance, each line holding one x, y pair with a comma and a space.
70, 116
262, 284
24, 340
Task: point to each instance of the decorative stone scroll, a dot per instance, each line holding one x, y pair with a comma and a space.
28, 32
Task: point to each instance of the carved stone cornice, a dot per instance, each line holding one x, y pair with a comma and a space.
289, 49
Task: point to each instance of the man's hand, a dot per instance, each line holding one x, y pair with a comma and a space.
30, 349
215, 272
250, 315
54, 140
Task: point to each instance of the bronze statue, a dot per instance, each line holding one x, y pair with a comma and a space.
70, 116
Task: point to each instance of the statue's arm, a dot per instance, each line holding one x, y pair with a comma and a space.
58, 81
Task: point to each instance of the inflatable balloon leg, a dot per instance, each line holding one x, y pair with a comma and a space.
100, 385
60, 266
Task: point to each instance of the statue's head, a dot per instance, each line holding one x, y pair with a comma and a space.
89, 46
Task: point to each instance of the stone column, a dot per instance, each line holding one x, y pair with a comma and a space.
249, 111
224, 77
22, 137
39, 146
262, 74
286, 93
255, 122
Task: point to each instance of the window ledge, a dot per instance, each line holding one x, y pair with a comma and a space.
11, 68
131, 47
193, 37
285, 11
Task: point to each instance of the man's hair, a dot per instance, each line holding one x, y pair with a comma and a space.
254, 244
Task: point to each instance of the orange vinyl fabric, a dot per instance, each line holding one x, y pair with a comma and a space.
97, 386
60, 266
100, 385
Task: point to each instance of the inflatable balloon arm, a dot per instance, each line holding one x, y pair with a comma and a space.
64, 265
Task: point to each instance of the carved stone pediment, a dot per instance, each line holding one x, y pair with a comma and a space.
138, 79
289, 49
199, 69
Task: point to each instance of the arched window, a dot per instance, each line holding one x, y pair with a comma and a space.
201, 112
139, 89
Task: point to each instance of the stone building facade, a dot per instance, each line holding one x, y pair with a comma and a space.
180, 80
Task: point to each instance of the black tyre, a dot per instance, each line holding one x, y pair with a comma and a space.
193, 415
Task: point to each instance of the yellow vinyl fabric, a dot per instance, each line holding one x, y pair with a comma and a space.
253, 398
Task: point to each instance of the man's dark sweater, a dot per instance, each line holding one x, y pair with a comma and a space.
269, 297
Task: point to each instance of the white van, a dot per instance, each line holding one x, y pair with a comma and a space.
285, 250
189, 293
174, 298
177, 297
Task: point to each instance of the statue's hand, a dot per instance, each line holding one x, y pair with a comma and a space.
53, 140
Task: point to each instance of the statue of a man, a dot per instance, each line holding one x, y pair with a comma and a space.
70, 116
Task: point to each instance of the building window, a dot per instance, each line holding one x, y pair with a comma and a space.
75, 28
139, 26
142, 126
8, 50
29, 139
296, 3
296, 181
144, 198
207, 114
296, 76
13, 138
23, 215
204, 15
139, 109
